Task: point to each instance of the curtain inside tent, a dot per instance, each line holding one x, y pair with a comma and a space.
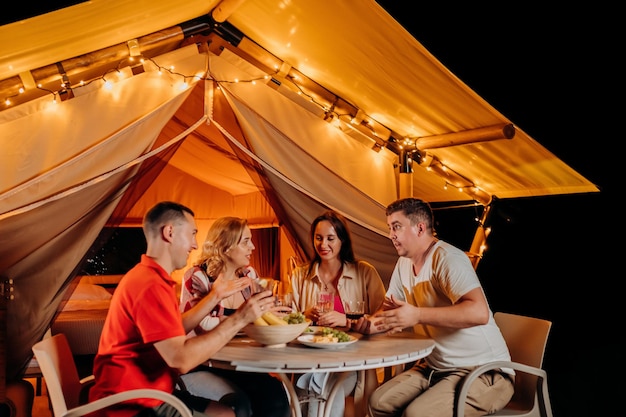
59, 186
312, 166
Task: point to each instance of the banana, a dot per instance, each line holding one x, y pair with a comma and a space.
261, 322
273, 319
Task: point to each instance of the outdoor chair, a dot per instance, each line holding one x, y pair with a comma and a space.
68, 393
526, 338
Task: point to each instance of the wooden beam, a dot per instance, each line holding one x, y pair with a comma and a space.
484, 134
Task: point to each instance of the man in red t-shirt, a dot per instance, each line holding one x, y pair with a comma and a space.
143, 342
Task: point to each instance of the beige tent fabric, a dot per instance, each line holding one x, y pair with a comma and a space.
364, 57
300, 155
65, 166
87, 27
407, 90
69, 165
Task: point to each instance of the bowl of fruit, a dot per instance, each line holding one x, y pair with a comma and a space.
273, 331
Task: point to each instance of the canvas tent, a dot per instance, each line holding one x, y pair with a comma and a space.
263, 109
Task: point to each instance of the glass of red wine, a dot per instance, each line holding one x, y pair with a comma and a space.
355, 309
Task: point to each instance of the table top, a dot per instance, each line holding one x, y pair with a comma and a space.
370, 351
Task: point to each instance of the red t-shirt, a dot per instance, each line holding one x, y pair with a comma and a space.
144, 310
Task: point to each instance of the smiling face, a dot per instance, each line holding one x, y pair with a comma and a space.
327, 243
239, 255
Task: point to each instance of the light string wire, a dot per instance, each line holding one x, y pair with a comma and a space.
330, 112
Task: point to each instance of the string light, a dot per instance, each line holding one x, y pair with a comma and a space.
358, 121
66, 87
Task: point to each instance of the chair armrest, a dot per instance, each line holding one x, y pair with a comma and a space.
85, 385
129, 395
466, 382
88, 380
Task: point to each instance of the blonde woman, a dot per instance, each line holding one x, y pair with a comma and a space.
224, 260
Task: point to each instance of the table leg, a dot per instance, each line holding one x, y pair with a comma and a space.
296, 410
329, 393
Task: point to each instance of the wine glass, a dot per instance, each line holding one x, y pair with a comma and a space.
355, 309
324, 302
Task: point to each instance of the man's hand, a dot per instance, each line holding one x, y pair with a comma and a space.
395, 316
255, 306
362, 325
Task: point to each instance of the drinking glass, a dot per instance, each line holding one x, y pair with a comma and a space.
325, 302
262, 284
355, 309
284, 300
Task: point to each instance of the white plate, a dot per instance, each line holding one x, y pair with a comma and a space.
307, 340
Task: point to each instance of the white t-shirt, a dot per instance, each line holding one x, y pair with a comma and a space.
447, 275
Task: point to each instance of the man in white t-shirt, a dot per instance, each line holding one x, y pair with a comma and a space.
434, 289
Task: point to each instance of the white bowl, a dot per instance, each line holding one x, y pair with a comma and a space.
273, 335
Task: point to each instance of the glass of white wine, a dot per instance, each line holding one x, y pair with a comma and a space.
324, 302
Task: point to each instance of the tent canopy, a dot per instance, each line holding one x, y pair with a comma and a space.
265, 109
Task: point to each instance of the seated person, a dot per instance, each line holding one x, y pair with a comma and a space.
224, 261
144, 342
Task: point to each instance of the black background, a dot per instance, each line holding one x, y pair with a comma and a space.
554, 73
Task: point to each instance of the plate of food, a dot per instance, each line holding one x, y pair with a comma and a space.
326, 338
313, 330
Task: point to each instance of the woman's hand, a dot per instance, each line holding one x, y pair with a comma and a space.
225, 288
332, 319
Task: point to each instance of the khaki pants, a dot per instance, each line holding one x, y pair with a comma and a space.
424, 392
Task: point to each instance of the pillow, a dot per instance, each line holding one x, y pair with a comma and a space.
90, 292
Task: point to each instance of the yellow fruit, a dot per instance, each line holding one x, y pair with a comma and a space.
273, 319
261, 322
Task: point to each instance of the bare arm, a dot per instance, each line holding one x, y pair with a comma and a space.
184, 354
470, 310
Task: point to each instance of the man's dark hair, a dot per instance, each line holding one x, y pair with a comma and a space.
415, 209
162, 213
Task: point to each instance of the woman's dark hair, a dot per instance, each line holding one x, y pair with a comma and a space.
339, 223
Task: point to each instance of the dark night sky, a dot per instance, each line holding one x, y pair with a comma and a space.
553, 73
556, 258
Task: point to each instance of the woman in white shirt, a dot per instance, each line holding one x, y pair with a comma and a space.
334, 270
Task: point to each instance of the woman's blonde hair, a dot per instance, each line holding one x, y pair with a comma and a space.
224, 234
